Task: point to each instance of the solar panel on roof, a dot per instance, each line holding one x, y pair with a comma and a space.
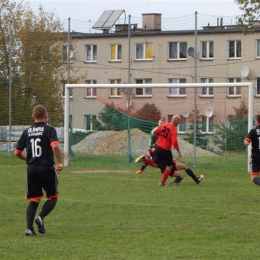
107, 19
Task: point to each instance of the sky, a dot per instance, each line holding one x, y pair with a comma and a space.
91, 10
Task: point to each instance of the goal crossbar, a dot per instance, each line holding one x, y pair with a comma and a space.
250, 86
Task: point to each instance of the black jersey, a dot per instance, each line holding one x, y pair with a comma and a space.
37, 140
254, 137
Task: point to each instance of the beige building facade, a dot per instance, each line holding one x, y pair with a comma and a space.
210, 54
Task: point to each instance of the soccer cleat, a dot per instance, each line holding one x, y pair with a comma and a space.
29, 233
140, 158
139, 172
39, 223
200, 178
174, 184
164, 185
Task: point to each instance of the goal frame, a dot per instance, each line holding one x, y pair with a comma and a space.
250, 86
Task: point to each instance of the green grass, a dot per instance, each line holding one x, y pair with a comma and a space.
119, 215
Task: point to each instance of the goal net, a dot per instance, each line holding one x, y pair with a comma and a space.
116, 119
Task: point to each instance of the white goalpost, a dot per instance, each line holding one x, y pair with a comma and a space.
191, 86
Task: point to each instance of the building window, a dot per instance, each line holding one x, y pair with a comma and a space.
143, 91
144, 51
91, 53
177, 50
70, 122
91, 92
115, 52
258, 48
207, 124
176, 92
234, 50
258, 86
234, 91
115, 92
231, 117
64, 82
169, 118
65, 53
207, 91
182, 127
89, 119
207, 50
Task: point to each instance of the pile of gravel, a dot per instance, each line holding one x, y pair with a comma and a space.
116, 142
87, 144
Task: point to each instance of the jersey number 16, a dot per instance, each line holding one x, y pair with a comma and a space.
36, 148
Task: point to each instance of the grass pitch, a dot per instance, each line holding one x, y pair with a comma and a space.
114, 214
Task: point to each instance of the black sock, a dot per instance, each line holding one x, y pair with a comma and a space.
178, 179
30, 214
172, 172
162, 168
143, 167
256, 181
48, 206
192, 175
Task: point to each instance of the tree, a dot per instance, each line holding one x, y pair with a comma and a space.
37, 62
113, 119
116, 119
250, 13
201, 140
148, 112
242, 110
230, 135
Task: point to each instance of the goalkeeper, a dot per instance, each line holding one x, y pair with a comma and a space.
152, 140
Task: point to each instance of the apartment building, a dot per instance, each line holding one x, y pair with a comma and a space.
151, 55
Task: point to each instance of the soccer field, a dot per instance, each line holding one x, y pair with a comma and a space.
105, 211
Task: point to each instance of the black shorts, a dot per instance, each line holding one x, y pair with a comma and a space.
174, 168
39, 178
255, 163
163, 157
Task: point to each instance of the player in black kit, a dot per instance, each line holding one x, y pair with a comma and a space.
41, 143
253, 137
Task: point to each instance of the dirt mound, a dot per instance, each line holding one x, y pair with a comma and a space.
116, 142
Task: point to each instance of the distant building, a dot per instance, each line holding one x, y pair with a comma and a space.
224, 54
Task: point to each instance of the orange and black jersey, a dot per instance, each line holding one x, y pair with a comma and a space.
38, 140
167, 136
254, 137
